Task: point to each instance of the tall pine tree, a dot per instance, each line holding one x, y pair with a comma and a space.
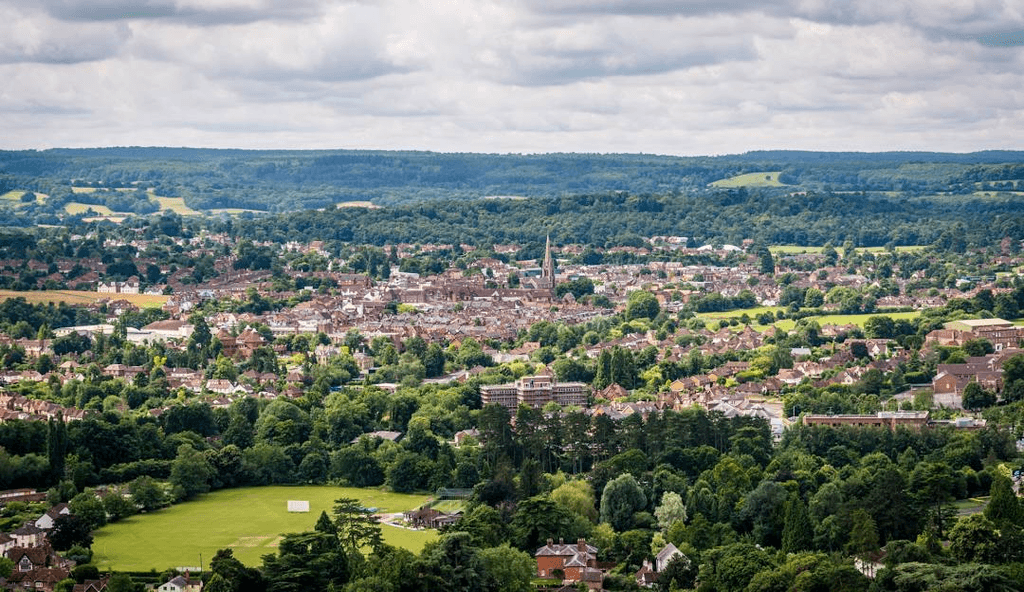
798, 534
1003, 506
56, 446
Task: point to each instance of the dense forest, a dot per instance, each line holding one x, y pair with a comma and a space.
609, 219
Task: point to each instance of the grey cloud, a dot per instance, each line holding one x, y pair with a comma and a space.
644, 7
557, 68
347, 44
195, 12
1002, 39
976, 17
36, 108
24, 40
622, 46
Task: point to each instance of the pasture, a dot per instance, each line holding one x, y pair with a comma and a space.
249, 520
789, 324
74, 207
797, 249
95, 189
15, 197
234, 211
82, 297
849, 319
761, 179
175, 204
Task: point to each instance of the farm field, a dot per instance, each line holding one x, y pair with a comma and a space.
857, 319
796, 249
248, 520
81, 297
234, 211
94, 189
761, 179
730, 314
175, 204
358, 204
789, 324
15, 196
75, 207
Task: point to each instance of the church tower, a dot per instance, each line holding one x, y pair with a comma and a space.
548, 268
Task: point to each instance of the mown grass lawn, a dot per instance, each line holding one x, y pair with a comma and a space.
971, 505
249, 520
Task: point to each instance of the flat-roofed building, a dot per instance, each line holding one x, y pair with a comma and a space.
535, 391
889, 419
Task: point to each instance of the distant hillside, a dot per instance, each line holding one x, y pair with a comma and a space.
280, 181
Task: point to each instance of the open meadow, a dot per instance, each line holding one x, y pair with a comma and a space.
15, 197
849, 319
789, 324
762, 179
175, 204
75, 207
248, 520
797, 249
82, 297
359, 204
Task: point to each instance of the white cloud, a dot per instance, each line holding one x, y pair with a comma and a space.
513, 75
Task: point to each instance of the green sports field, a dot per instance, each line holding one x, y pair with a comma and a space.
248, 520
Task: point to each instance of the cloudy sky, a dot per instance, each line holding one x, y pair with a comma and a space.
658, 76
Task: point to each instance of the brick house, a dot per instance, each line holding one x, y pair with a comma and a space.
573, 559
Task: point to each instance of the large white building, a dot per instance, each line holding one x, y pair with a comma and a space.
535, 391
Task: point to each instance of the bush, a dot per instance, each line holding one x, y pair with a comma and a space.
80, 555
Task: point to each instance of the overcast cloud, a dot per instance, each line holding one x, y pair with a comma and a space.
656, 76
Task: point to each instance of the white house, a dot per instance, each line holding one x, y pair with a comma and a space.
181, 584
666, 555
49, 519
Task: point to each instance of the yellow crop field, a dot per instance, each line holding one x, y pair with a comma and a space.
75, 207
15, 196
82, 297
175, 204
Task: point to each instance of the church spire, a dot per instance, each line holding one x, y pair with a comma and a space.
548, 268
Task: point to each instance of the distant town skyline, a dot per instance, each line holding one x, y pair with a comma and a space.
531, 76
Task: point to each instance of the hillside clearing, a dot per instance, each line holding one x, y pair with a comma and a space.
175, 204
759, 179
